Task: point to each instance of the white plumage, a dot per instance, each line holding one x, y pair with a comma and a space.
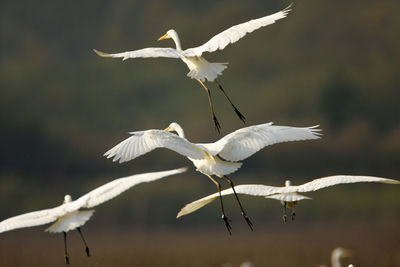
193, 56
199, 68
69, 215
288, 193
219, 158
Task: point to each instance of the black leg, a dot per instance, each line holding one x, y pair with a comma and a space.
240, 205
241, 117
84, 242
216, 123
293, 214
224, 218
65, 249
284, 211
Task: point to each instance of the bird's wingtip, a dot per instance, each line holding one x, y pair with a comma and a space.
181, 170
102, 54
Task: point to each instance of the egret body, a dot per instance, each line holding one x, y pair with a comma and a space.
74, 214
220, 158
199, 68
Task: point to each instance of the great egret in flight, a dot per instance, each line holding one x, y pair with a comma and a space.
219, 158
200, 68
288, 195
69, 215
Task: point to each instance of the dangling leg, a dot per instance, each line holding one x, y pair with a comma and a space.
241, 117
224, 218
65, 249
293, 213
216, 123
240, 205
84, 242
284, 211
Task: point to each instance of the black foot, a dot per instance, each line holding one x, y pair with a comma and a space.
87, 251
66, 259
293, 216
217, 125
284, 218
249, 223
226, 222
241, 117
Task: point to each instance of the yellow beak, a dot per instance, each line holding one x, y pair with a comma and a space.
167, 129
163, 37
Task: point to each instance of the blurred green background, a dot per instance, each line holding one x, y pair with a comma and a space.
61, 107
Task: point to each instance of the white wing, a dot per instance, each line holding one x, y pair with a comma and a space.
144, 53
338, 179
247, 189
145, 141
234, 33
91, 199
245, 142
34, 218
118, 186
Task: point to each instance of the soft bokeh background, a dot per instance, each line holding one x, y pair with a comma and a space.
331, 63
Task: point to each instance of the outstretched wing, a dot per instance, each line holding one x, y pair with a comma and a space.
145, 141
234, 33
118, 186
247, 189
337, 179
31, 219
144, 53
245, 142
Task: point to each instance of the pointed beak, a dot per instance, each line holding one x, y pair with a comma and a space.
167, 129
163, 37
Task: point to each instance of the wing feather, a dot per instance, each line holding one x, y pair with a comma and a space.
247, 189
339, 179
168, 52
234, 33
142, 142
31, 219
118, 186
245, 142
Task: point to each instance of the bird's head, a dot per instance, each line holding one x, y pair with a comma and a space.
67, 199
175, 127
340, 253
170, 34
288, 183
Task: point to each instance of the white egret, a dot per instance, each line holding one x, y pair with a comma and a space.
219, 158
337, 255
200, 69
69, 215
288, 195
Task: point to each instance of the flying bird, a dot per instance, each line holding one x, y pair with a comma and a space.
288, 195
73, 214
219, 158
200, 69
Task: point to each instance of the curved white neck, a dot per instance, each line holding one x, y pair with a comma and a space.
335, 260
177, 42
180, 132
